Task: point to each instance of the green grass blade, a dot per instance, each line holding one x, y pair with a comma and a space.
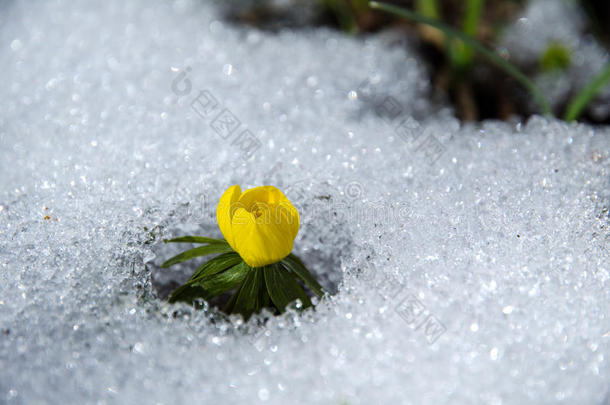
429, 8
492, 56
197, 252
461, 53
474, 8
194, 239
294, 264
283, 288
584, 97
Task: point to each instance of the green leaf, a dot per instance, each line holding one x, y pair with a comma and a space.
186, 293
283, 287
210, 286
295, 264
251, 294
194, 239
196, 252
266, 299
228, 308
222, 282
216, 265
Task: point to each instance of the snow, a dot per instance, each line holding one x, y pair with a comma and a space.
470, 263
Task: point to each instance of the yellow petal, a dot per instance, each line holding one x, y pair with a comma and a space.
261, 241
275, 204
264, 226
225, 210
265, 194
289, 217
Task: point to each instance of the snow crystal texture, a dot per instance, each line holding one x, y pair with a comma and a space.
470, 264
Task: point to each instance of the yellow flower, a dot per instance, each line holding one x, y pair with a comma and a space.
260, 224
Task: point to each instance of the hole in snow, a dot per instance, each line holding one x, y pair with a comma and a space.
320, 244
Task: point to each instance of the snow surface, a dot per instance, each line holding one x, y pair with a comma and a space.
470, 263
